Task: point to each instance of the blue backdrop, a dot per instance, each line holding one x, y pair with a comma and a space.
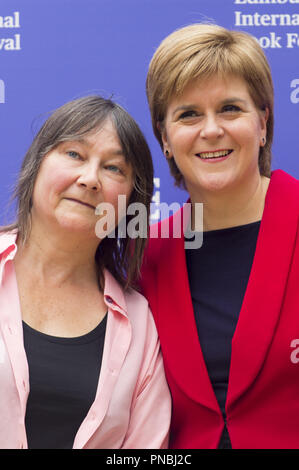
52, 51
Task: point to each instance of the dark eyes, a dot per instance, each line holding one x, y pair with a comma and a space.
188, 114
228, 108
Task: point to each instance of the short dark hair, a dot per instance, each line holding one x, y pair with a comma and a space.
121, 256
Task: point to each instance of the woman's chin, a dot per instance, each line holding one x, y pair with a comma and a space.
79, 225
215, 183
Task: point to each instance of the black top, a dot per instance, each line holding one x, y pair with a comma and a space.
63, 376
218, 274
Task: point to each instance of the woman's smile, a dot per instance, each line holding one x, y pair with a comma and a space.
82, 203
214, 156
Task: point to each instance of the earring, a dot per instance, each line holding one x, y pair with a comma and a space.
263, 140
166, 153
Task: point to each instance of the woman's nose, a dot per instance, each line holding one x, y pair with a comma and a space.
211, 128
89, 178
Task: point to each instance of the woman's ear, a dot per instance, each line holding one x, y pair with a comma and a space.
164, 139
264, 118
264, 115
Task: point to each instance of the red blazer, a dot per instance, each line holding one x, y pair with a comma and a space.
262, 403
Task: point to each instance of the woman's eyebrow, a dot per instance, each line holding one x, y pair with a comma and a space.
76, 140
233, 100
185, 107
81, 140
118, 152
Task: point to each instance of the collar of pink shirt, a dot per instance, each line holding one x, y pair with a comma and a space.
113, 292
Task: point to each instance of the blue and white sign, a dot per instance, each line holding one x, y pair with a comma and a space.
52, 51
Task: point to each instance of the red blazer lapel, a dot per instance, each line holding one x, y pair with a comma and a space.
265, 291
176, 323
